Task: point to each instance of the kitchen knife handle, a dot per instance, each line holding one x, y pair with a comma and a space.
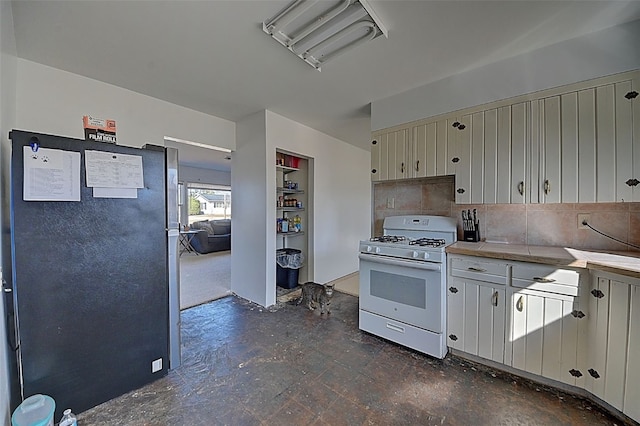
543, 280
494, 299
547, 186
520, 304
521, 188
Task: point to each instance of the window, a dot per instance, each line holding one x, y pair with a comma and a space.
207, 202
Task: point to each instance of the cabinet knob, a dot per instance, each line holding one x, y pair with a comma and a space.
453, 290
597, 293
632, 182
417, 165
374, 142
494, 299
521, 188
520, 304
455, 159
593, 373
402, 167
374, 171
577, 314
453, 337
547, 187
460, 190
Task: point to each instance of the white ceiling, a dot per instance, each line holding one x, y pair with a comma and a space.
212, 56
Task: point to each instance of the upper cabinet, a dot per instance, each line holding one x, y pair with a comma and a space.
573, 144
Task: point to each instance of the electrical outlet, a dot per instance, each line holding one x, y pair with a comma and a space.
391, 203
156, 365
582, 218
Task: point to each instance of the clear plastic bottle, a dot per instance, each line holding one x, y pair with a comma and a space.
68, 418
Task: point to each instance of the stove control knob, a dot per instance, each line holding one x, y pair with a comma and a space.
377, 249
426, 255
368, 249
416, 254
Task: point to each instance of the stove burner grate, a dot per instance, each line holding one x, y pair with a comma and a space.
388, 239
428, 242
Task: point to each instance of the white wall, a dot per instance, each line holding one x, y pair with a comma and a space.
253, 260
200, 175
53, 101
341, 191
598, 54
8, 72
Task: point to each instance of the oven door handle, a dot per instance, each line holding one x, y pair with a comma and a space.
427, 266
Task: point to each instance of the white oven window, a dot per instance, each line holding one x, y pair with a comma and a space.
401, 289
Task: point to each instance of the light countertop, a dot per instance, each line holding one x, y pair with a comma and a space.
623, 263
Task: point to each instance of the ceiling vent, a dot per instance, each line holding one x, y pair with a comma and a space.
318, 30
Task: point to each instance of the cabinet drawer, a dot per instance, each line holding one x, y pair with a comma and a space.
479, 269
548, 278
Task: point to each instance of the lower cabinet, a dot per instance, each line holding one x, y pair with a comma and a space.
476, 318
614, 342
557, 323
544, 335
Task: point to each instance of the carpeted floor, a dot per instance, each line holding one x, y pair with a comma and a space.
204, 278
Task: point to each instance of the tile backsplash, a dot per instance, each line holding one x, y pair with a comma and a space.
533, 224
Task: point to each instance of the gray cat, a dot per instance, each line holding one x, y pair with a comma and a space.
314, 294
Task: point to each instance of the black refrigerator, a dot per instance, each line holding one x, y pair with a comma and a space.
90, 279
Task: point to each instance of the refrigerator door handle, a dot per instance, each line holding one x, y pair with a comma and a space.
10, 318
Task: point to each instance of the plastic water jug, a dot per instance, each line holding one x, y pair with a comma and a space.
37, 410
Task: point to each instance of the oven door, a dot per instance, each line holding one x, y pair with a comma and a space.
403, 290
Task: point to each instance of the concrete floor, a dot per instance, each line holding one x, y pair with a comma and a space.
244, 365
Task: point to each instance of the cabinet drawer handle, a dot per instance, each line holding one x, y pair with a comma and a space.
474, 269
453, 290
402, 167
417, 165
374, 171
395, 328
597, 293
543, 280
575, 373
593, 373
520, 304
547, 187
453, 337
521, 188
494, 299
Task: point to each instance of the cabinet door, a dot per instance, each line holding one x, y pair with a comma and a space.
632, 386
380, 157
608, 331
550, 147
424, 162
376, 159
390, 155
476, 318
543, 334
520, 139
442, 156
459, 142
627, 137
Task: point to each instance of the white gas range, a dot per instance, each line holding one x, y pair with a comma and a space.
403, 282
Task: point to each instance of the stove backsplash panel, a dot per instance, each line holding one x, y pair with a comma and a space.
533, 224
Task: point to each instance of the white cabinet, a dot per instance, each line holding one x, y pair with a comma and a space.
585, 143
429, 149
476, 306
614, 342
632, 380
574, 144
547, 325
391, 155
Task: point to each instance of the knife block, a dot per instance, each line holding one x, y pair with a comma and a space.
472, 236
